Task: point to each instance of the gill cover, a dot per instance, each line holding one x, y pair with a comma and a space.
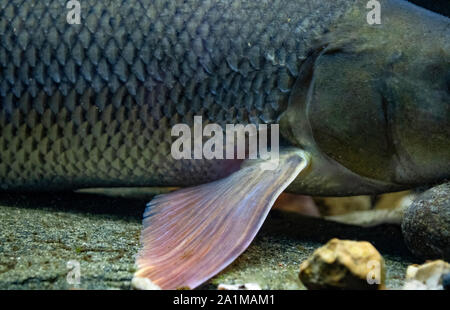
348, 114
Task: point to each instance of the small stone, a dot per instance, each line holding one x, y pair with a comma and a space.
239, 287
426, 224
344, 264
139, 283
429, 276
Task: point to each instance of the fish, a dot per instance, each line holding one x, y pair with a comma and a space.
362, 108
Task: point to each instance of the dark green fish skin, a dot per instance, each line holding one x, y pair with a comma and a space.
92, 104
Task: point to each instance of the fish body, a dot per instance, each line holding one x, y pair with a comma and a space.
93, 104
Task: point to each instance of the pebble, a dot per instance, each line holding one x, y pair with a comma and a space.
139, 283
429, 276
344, 264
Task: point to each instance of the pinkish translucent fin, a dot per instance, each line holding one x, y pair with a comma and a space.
192, 234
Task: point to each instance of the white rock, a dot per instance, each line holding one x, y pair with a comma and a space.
139, 283
428, 276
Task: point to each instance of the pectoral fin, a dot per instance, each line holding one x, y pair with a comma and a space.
191, 234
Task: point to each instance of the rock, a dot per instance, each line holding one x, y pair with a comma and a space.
369, 218
429, 276
394, 200
239, 287
139, 283
426, 224
330, 206
344, 264
389, 209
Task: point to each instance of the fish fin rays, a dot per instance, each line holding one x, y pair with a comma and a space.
192, 234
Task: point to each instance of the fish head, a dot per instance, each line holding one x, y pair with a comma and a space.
375, 99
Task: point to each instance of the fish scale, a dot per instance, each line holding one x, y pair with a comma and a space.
93, 104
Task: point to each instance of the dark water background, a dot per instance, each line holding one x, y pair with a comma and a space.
439, 6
